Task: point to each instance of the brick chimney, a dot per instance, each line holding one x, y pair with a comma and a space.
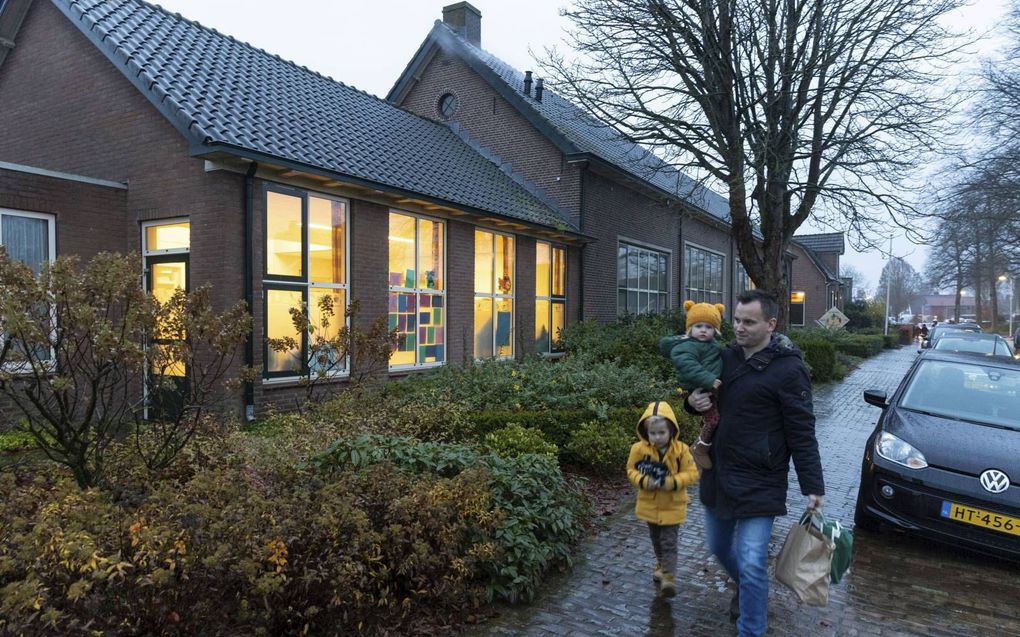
466, 20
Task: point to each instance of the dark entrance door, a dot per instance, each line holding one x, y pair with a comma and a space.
166, 382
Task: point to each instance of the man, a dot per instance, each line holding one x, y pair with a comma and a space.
765, 417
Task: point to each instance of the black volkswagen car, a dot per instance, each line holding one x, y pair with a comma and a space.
944, 459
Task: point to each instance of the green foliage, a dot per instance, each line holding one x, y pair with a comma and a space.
514, 441
555, 424
864, 315
633, 341
601, 445
540, 515
819, 353
78, 387
535, 383
16, 441
860, 345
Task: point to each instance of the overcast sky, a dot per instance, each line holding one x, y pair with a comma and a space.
368, 44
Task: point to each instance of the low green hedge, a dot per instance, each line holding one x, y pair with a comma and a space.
819, 353
540, 516
860, 345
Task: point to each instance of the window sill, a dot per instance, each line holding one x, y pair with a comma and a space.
408, 369
23, 370
552, 355
297, 381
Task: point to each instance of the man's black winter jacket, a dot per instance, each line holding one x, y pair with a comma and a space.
765, 417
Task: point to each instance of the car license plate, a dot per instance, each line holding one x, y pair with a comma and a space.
979, 517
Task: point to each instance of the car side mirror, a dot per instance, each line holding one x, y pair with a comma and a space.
876, 398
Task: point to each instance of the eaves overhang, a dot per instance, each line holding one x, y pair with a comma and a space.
388, 193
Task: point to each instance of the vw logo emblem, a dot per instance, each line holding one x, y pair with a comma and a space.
994, 481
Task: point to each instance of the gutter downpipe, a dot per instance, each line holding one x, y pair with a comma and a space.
249, 343
584, 246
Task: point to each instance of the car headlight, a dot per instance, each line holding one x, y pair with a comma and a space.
901, 452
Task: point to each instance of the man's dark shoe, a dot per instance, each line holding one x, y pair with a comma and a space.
735, 607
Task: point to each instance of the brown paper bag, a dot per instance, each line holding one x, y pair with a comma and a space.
805, 562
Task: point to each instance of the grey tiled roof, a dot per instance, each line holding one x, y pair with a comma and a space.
588, 135
223, 94
828, 242
813, 256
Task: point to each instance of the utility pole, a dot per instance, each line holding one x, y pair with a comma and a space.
888, 285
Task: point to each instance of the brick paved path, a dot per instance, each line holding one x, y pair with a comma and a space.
897, 585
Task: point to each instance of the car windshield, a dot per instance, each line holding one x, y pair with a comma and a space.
994, 346
968, 391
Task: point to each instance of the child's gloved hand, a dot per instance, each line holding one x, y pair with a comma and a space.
717, 383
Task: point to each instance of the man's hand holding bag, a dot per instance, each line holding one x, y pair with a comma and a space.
816, 552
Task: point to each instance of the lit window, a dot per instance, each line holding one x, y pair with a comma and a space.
642, 280
306, 260
550, 296
797, 308
494, 295
417, 290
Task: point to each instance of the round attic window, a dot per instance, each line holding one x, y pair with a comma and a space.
447, 105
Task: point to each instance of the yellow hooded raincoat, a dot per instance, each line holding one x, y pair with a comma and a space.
667, 505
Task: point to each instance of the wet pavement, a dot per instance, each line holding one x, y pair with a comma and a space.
898, 585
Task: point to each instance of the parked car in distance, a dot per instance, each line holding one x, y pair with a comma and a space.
975, 343
943, 328
942, 460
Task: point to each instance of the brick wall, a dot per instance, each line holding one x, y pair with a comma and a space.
81, 210
67, 108
807, 278
84, 212
497, 125
609, 210
460, 292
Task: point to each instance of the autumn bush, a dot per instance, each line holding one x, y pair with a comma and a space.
242, 537
541, 515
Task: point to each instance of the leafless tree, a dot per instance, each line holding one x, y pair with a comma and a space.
795, 107
905, 286
860, 282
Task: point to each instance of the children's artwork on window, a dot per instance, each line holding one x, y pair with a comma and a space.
430, 329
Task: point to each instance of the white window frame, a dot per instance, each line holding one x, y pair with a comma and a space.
51, 246
651, 249
305, 286
146, 252
494, 296
418, 292
552, 298
703, 294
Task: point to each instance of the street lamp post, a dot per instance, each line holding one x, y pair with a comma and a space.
1012, 285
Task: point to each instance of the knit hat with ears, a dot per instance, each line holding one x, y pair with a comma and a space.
704, 313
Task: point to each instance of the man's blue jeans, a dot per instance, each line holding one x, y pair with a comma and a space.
742, 547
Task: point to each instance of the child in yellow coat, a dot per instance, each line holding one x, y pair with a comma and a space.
661, 467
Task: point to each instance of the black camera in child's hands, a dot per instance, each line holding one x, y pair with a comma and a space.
656, 471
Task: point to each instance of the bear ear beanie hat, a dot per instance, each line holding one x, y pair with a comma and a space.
703, 313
